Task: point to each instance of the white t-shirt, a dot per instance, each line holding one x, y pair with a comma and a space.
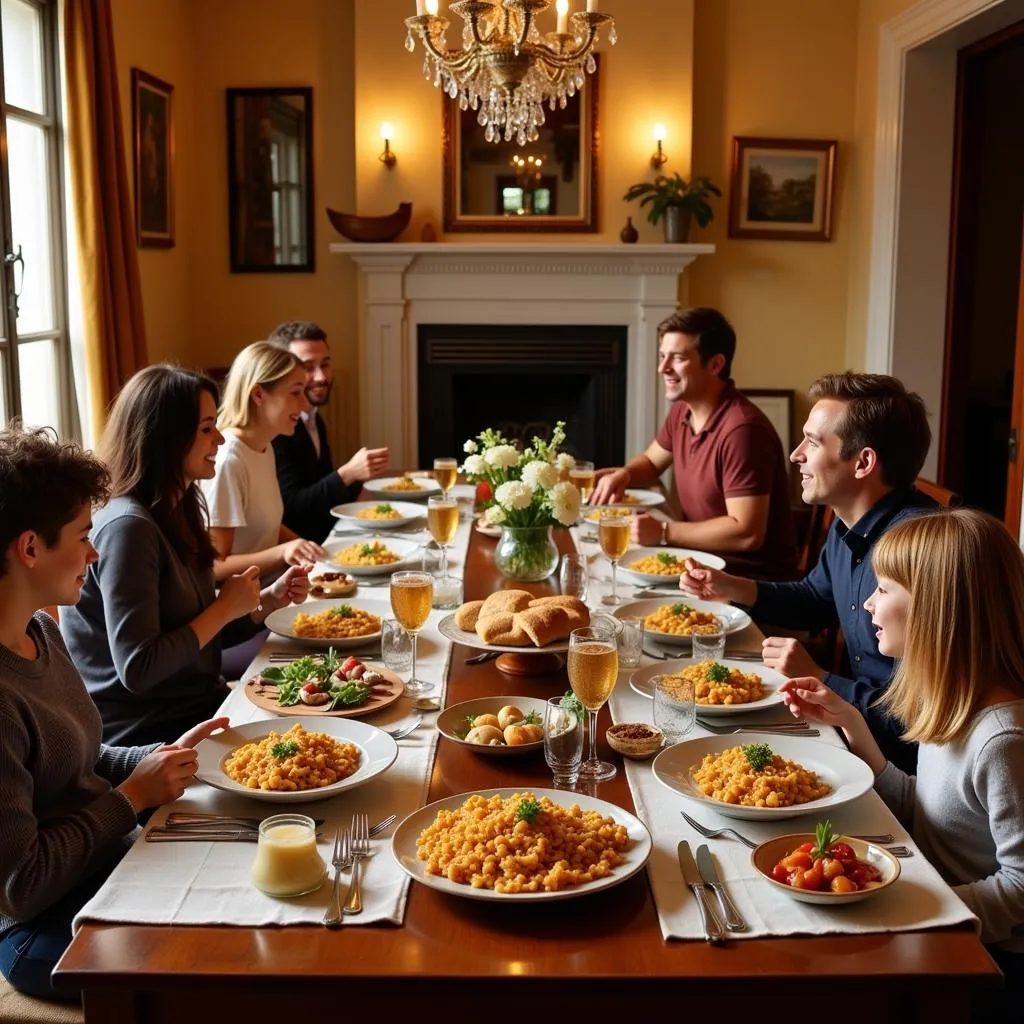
244, 495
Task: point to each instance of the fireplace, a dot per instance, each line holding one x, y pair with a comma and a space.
520, 380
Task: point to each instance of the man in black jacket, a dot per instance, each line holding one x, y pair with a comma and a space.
310, 483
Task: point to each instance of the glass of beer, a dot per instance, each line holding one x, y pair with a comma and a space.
445, 472
613, 536
582, 475
593, 669
412, 595
443, 521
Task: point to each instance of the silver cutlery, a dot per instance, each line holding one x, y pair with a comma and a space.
713, 931
706, 866
341, 860
479, 659
654, 652
284, 657
194, 819
158, 834
781, 729
404, 730
360, 850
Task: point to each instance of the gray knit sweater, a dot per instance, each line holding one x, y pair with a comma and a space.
60, 819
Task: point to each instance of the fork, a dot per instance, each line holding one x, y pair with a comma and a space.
342, 858
781, 729
360, 849
402, 731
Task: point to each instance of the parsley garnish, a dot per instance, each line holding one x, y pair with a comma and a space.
571, 701
343, 611
758, 755
823, 839
681, 609
384, 509
366, 549
666, 559
285, 749
528, 810
531, 719
717, 673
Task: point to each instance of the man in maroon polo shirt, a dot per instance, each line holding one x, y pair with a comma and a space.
730, 470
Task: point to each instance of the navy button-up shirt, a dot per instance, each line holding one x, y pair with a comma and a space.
841, 582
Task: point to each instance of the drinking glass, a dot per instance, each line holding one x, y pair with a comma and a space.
563, 741
582, 475
631, 642
613, 536
709, 646
443, 521
287, 862
395, 646
445, 472
447, 588
593, 669
674, 708
412, 594
573, 576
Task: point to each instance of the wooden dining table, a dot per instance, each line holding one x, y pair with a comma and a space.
597, 957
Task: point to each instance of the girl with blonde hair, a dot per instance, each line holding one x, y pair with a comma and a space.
950, 603
264, 395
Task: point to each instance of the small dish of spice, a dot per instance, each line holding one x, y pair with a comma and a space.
637, 740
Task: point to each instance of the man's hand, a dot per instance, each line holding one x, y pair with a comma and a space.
366, 463
645, 530
790, 657
707, 584
292, 587
302, 552
609, 485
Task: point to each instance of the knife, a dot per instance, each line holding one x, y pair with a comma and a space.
713, 932
733, 921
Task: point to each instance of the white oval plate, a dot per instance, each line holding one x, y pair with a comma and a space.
644, 499
281, 621
733, 619
635, 554
847, 774
403, 846
348, 513
640, 682
377, 753
385, 487
447, 628
410, 553
454, 718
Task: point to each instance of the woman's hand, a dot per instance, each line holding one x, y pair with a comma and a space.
302, 552
241, 594
200, 732
807, 697
160, 777
290, 588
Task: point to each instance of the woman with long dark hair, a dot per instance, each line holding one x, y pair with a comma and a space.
146, 634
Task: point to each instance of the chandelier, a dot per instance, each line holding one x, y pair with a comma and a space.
506, 69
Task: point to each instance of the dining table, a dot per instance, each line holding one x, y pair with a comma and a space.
602, 954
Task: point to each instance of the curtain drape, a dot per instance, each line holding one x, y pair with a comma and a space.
111, 293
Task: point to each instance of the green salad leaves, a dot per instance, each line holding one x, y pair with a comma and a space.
293, 677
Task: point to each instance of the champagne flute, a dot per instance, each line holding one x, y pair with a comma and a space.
443, 521
445, 472
412, 595
582, 475
593, 669
613, 536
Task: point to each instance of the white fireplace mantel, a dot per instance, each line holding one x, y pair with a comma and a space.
570, 283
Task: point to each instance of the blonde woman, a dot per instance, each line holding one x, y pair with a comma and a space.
950, 603
264, 396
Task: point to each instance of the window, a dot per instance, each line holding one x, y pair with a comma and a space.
35, 374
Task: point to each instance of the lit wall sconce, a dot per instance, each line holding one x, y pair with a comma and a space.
659, 157
387, 158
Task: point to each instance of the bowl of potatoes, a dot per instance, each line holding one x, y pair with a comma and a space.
495, 726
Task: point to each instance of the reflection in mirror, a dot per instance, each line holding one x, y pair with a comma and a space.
270, 179
547, 185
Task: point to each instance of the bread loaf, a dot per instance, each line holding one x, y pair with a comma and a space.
544, 624
506, 601
466, 616
566, 601
501, 629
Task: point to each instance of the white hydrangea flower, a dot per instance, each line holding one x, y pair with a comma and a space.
514, 494
494, 515
564, 462
540, 475
475, 465
469, 447
502, 456
565, 503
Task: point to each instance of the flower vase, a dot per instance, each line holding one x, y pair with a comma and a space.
526, 553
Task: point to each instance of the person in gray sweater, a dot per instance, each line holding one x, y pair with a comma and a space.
950, 603
68, 803
146, 634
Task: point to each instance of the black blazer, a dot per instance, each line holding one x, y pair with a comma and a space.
310, 485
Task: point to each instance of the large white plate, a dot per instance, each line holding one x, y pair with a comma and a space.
385, 487
635, 554
448, 629
847, 774
349, 513
281, 621
644, 499
403, 846
733, 619
640, 682
452, 721
377, 753
410, 554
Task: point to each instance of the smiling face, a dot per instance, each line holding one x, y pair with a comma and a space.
58, 573
281, 403
888, 607
316, 361
200, 460
687, 377
825, 477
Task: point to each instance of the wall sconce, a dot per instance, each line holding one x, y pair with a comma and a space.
659, 157
387, 158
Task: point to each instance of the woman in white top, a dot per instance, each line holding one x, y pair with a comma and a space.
264, 395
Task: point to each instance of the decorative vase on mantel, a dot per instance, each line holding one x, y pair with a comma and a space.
677, 223
629, 233
526, 553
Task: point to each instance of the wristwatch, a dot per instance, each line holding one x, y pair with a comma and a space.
664, 532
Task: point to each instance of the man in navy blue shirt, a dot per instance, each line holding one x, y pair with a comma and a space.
864, 443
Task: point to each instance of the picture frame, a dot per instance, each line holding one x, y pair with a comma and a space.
153, 163
782, 189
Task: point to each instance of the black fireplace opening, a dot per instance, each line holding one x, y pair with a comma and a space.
521, 380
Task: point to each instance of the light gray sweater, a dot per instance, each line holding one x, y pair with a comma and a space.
965, 809
60, 819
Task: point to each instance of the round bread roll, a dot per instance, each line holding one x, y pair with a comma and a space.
506, 601
466, 616
501, 629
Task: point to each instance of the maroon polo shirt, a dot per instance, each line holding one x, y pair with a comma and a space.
737, 454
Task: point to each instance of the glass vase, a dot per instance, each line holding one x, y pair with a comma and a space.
526, 553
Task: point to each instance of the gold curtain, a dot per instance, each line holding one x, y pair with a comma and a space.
114, 325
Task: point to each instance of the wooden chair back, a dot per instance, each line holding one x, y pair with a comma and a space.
943, 495
821, 517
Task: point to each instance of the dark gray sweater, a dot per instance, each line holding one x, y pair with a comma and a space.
60, 819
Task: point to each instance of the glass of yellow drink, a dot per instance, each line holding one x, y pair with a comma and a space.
613, 536
412, 595
593, 669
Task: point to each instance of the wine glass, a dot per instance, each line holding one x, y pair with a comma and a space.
613, 536
443, 521
593, 669
445, 472
582, 475
412, 595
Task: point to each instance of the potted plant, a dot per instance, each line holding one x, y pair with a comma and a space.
677, 201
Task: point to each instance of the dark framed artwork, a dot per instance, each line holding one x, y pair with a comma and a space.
782, 189
153, 150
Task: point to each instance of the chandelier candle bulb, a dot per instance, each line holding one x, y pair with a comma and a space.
421, 8
591, 6
563, 16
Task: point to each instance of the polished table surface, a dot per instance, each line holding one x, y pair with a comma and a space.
452, 955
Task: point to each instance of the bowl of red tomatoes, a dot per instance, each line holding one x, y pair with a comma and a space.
825, 868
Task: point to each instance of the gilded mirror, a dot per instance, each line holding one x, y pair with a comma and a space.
547, 185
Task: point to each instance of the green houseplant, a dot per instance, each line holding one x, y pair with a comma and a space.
678, 201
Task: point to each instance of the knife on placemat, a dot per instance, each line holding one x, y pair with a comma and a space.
713, 931
733, 921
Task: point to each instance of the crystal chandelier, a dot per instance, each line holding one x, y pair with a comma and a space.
505, 69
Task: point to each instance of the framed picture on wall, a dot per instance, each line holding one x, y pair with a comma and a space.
782, 189
153, 149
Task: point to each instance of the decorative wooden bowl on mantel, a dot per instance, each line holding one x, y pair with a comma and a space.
371, 229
